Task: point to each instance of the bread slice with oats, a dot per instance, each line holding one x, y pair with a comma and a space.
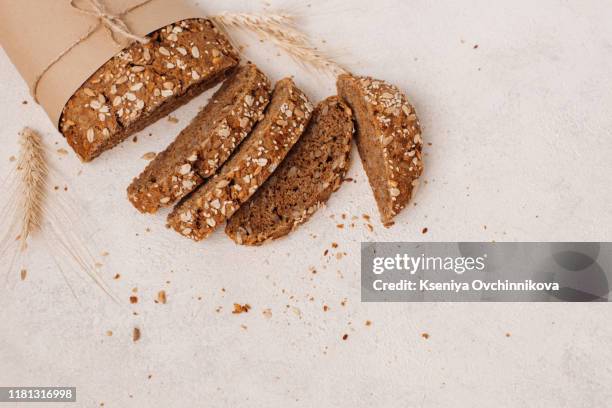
203, 146
388, 139
253, 162
312, 171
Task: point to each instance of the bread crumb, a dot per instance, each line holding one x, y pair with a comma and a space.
267, 313
117, 276
136, 334
62, 151
341, 226
425, 230
425, 335
161, 297
345, 337
508, 334
133, 299
334, 245
368, 322
23, 274
149, 156
239, 309
12, 158
172, 119
325, 308
109, 333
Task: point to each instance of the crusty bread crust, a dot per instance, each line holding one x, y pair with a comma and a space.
203, 146
312, 171
388, 139
250, 166
144, 83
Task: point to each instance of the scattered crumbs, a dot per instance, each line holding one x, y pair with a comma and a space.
24, 102
133, 299
135, 334
313, 270
366, 217
484, 226
149, 156
370, 227
117, 276
62, 151
219, 309
426, 229
172, 119
326, 252
343, 216
98, 265
149, 376
425, 335
339, 255
348, 179
239, 309
267, 313
134, 290
23, 274
429, 144
109, 333
343, 303
345, 337
508, 334
161, 297
476, 46
341, 226
368, 323
325, 308
12, 158
135, 139
243, 327
334, 245
389, 224
104, 253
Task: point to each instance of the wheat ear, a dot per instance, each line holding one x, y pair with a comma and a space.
33, 173
282, 31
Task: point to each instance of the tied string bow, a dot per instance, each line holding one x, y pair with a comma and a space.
113, 23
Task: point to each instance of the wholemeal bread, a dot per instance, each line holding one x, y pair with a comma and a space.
304, 181
144, 83
388, 139
252, 163
203, 146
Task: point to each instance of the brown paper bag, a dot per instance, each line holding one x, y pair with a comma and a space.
34, 33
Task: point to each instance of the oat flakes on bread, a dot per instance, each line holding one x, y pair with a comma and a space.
205, 144
388, 139
250, 166
144, 83
314, 169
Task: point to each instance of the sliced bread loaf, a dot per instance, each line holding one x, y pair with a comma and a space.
252, 163
388, 139
144, 83
203, 146
304, 181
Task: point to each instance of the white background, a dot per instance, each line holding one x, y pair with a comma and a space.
520, 133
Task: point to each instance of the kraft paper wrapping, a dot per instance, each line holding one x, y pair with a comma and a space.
33, 33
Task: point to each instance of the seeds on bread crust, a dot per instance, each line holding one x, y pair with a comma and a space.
388, 138
203, 146
143, 83
304, 181
250, 166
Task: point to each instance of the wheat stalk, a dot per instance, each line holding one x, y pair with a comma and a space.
282, 31
33, 174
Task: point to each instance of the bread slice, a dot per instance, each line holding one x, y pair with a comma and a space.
144, 83
252, 163
304, 181
388, 139
203, 146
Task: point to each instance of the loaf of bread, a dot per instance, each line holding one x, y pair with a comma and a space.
144, 83
312, 171
203, 146
253, 162
388, 139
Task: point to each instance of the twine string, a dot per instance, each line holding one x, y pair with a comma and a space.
113, 23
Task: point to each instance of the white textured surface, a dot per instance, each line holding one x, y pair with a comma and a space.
520, 129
